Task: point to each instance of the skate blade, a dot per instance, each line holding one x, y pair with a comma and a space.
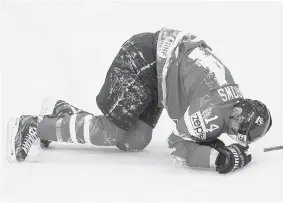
12, 128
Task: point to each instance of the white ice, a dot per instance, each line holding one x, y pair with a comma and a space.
62, 50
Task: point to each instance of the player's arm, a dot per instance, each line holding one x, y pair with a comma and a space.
212, 154
191, 153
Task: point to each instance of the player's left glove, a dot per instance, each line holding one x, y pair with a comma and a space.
232, 157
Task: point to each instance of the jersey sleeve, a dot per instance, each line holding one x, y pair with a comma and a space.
190, 153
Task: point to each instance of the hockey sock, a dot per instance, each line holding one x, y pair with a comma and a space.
80, 128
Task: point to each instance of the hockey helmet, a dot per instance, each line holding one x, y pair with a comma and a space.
254, 118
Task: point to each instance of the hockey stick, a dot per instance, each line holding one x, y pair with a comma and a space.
272, 148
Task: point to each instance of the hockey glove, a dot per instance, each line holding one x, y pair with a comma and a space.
231, 158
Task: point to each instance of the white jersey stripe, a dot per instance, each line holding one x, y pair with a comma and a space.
86, 128
166, 66
72, 127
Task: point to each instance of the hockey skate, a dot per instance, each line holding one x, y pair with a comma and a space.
13, 134
62, 108
20, 140
22, 134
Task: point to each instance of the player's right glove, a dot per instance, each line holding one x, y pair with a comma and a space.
231, 158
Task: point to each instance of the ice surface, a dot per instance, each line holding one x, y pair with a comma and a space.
62, 50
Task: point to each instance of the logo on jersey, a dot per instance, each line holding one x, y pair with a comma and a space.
167, 43
198, 125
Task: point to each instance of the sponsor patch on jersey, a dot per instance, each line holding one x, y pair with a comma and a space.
196, 126
165, 47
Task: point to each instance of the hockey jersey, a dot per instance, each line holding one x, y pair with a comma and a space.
197, 90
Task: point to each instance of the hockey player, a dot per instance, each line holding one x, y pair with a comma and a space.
168, 69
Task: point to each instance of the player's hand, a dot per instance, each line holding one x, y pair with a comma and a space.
231, 158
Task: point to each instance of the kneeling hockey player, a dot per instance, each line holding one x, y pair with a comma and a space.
168, 69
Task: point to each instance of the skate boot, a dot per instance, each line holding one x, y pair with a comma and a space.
61, 109
22, 138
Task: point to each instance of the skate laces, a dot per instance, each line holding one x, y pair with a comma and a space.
29, 139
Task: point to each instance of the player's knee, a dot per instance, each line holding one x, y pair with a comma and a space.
137, 138
135, 144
